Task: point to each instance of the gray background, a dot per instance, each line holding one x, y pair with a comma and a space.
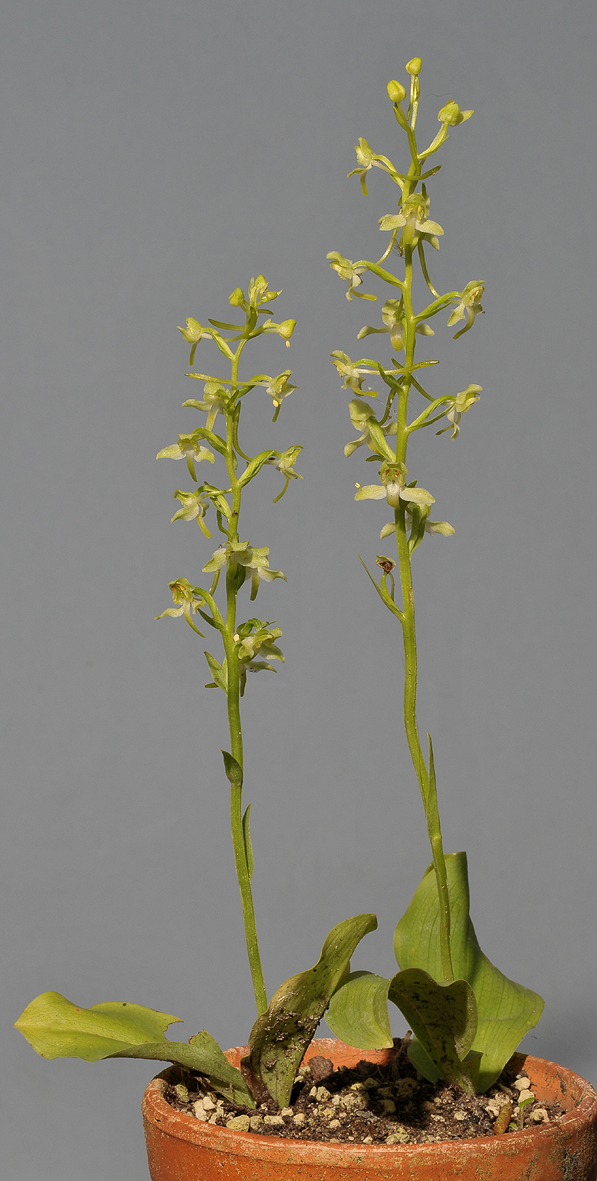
154, 156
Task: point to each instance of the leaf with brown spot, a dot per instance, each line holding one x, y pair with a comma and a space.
281, 1035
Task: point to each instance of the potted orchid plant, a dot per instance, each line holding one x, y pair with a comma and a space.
466, 1017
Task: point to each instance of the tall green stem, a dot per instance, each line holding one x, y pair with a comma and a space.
425, 777
234, 723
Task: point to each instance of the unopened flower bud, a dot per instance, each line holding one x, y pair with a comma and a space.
396, 91
451, 115
414, 66
237, 298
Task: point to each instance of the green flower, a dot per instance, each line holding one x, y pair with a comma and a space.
284, 461
396, 91
215, 401
259, 292
468, 308
393, 487
462, 402
414, 219
349, 370
417, 516
193, 331
348, 270
284, 329
255, 638
256, 561
367, 159
189, 447
449, 116
391, 314
193, 508
373, 435
278, 388
240, 553
189, 599
441, 527
221, 556
260, 640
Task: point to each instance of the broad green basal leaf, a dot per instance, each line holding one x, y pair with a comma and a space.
506, 1010
203, 1054
358, 1012
281, 1035
443, 1018
58, 1029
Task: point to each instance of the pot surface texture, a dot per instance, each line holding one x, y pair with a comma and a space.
181, 1148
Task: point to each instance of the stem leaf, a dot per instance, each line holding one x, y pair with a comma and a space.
385, 598
233, 769
255, 466
226, 327
218, 671
247, 838
222, 345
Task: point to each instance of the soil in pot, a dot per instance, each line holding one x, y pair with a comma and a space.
372, 1103
183, 1147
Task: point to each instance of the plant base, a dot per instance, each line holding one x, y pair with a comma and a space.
180, 1148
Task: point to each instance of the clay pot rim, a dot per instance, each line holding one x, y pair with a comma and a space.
183, 1126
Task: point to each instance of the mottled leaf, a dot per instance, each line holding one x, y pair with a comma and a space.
281, 1035
203, 1054
506, 1010
443, 1018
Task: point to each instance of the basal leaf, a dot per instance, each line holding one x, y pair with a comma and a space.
203, 1054
358, 1012
280, 1036
506, 1010
443, 1018
58, 1029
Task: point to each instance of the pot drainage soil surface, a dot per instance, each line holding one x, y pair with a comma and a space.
371, 1104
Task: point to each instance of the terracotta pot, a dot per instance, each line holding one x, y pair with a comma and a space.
180, 1148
